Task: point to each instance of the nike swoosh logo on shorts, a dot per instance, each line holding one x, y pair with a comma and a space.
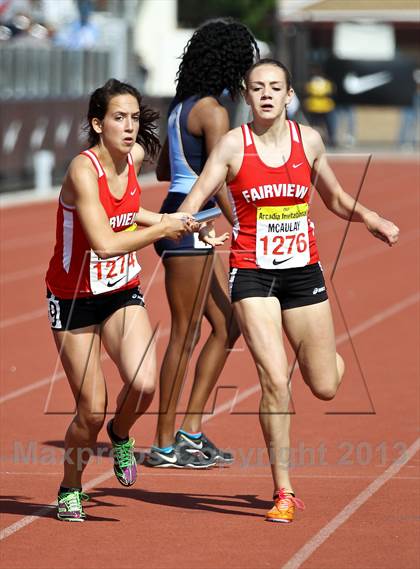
297, 165
355, 85
280, 262
112, 283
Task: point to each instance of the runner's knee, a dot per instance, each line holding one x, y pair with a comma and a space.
92, 421
227, 335
326, 391
275, 389
185, 335
145, 386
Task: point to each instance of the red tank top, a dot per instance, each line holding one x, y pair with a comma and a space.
75, 270
272, 229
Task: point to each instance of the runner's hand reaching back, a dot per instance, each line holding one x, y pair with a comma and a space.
207, 234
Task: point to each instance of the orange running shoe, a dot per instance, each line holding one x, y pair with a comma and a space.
284, 507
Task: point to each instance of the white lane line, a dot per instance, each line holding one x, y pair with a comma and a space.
380, 317
222, 472
358, 329
371, 251
306, 551
26, 198
319, 538
23, 317
31, 387
51, 379
19, 242
10, 530
23, 274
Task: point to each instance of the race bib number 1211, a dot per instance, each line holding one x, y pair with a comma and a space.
111, 274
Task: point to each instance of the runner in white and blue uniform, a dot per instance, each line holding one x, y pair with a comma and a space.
214, 61
187, 157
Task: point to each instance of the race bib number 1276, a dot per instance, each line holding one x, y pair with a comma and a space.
282, 237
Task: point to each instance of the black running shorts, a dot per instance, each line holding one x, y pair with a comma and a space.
292, 287
69, 314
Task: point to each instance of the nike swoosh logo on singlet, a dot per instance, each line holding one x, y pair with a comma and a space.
133, 192
112, 283
297, 165
280, 262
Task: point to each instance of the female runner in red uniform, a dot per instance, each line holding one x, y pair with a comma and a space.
276, 279
93, 283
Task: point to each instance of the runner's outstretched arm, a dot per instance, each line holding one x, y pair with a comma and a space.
340, 202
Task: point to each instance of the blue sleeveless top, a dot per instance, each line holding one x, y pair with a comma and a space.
187, 153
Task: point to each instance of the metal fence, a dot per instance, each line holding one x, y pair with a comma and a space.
28, 72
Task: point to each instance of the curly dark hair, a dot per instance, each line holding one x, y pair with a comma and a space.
216, 58
98, 106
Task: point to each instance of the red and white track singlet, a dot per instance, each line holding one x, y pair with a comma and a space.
272, 229
75, 270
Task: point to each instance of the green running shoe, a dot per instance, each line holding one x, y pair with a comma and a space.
69, 506
125, 465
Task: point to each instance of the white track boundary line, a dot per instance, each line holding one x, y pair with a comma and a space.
350, 259
220, 472
393, 469
10, 530
319, 538
33, 315
22, 198
51, 379
22, 274
358, 329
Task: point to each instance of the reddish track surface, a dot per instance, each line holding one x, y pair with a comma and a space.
356, 467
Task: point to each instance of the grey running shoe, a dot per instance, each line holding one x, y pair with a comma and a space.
179, 457
204, 445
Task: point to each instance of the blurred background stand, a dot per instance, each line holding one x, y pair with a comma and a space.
54, 53
43, 167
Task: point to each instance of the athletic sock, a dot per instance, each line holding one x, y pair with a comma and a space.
287, 494
165, 450
64, 490
191, 435
116, 438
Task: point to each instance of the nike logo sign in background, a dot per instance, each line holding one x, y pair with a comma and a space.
355, 85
